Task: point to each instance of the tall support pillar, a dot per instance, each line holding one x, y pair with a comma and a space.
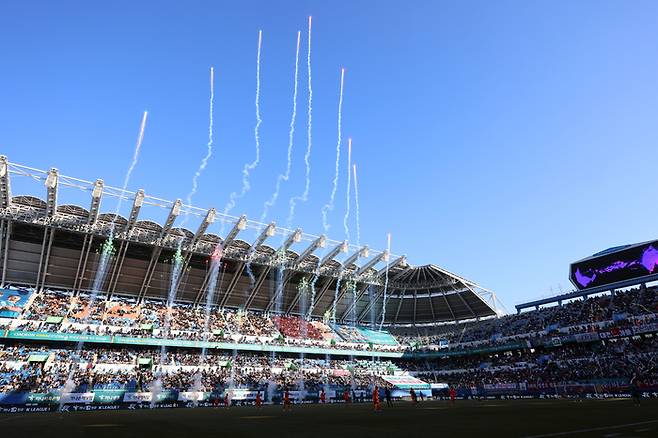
6, 253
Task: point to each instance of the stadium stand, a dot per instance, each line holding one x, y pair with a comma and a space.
594, 345
332, 324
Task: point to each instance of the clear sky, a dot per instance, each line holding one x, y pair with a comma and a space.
500, 140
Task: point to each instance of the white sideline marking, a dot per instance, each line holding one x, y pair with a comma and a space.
593, 429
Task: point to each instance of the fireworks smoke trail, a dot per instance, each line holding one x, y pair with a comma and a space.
107, 248
330, 205
246, 170
215, 265
284, 176
307, 155
349, 187
133, 163
106, 252
356, 204
335, 304
315, 279
388, 238
373, 310
204, 161
291, 134
180, 260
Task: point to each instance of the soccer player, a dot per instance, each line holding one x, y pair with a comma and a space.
387, 395
375, 399
259, 401
286, 400
226, 400
346, 396
453, 395
636, 395
414, 398
323, 396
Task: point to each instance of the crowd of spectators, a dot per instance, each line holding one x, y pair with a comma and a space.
124, 316
622, 356
151, 369
48, 304
612, 360
577, 316
295, 327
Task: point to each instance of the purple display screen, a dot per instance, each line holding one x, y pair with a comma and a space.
626, 264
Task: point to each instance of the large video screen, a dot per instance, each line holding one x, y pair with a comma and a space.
636, 261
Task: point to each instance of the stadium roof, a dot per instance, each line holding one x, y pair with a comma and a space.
612, 250
47, 244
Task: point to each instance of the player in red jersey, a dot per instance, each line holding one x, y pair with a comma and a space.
375, 399
453, 395
226, 400
323, 396
346, 396
286, 399
259, 401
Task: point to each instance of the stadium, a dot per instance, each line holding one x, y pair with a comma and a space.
497, 142
85, 328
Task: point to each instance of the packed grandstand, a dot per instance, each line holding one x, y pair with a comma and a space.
277, 321
593, 346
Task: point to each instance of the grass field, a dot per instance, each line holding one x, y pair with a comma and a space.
495, 418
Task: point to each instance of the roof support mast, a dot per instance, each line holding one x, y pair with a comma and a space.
205, 223
362, 252
138, 201
94, 208
169, 223
52, 180
5, 186
5, 203
294, 237
320, 242
238, 226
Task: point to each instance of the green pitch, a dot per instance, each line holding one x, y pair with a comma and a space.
494, 418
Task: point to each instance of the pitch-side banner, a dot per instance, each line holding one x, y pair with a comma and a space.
108, 395
297, 395
138, 397
243, 394
191, 396
77, 397
405, 382
42, 398
501, 386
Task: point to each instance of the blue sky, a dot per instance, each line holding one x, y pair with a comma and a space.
501, 140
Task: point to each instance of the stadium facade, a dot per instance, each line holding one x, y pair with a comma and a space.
46, 243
